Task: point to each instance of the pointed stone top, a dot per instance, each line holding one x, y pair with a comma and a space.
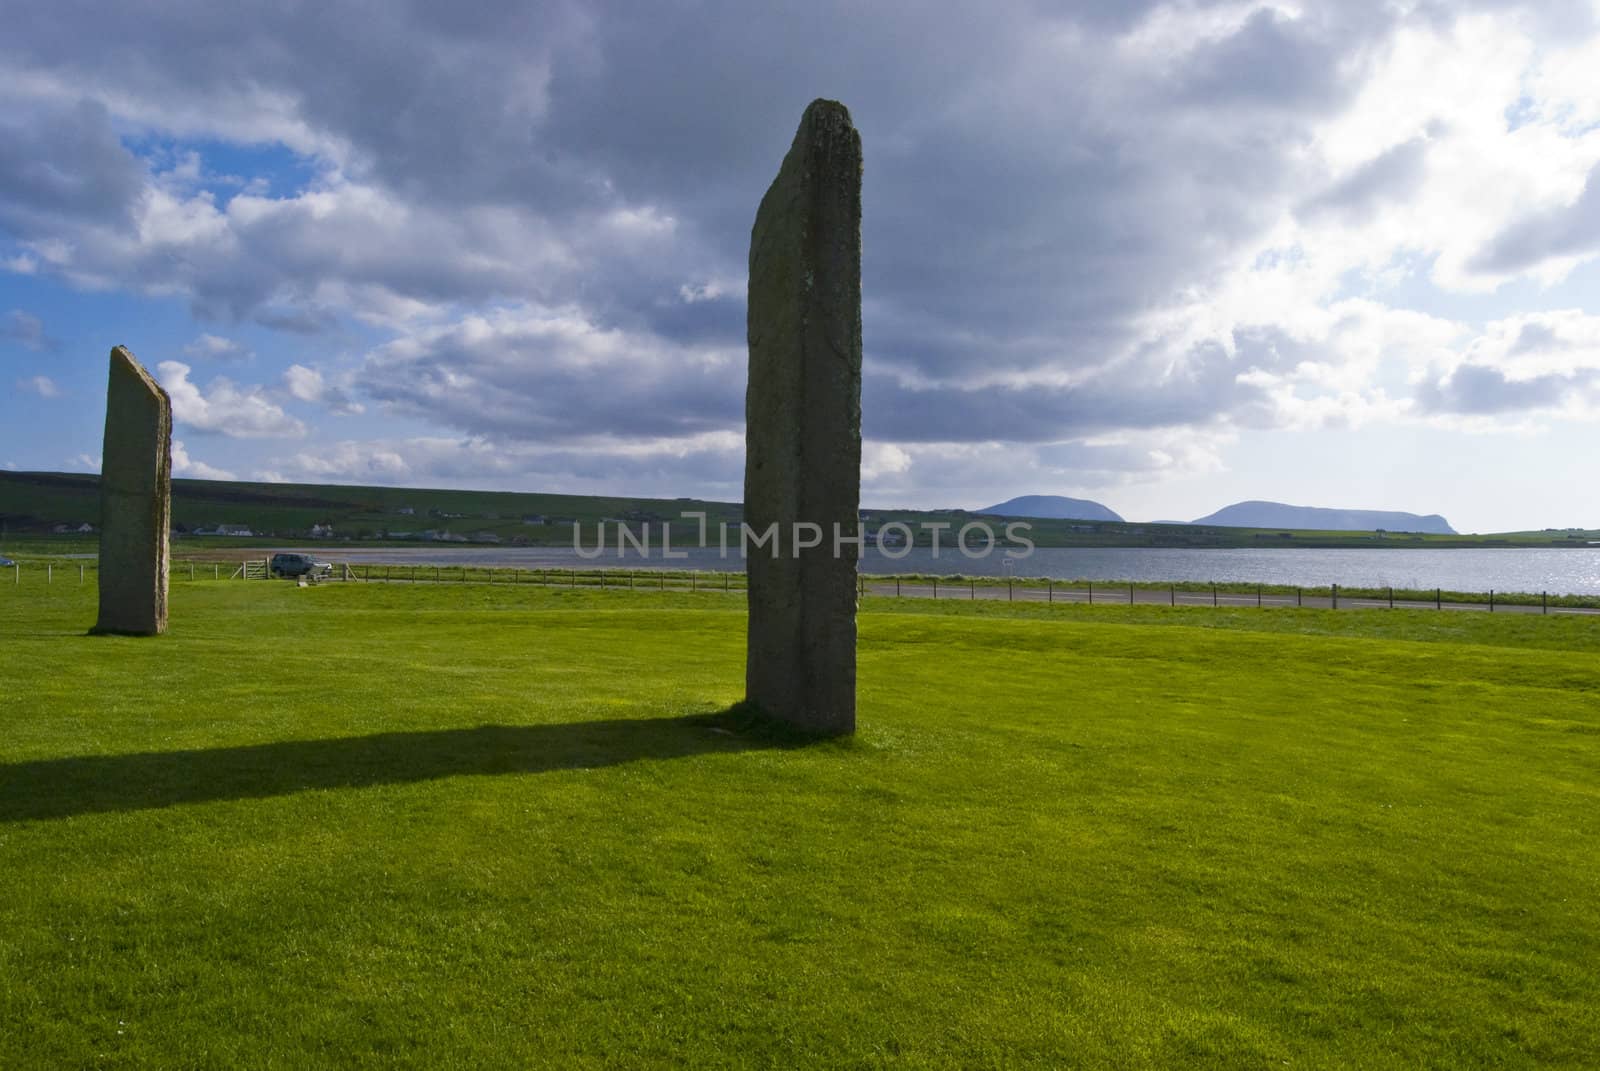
123, 359
825, 122
824, 110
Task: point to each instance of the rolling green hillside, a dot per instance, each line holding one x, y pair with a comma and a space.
34, 504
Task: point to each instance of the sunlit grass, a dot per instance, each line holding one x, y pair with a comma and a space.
493, 826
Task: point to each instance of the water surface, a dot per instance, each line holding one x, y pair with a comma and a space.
1567, 571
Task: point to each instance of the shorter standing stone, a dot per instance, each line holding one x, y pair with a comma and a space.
135, 501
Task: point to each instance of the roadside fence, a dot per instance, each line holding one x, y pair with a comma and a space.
908, 585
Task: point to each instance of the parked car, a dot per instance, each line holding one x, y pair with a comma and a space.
6, 563
298, 565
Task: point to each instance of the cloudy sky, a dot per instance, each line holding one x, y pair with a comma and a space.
1163, 255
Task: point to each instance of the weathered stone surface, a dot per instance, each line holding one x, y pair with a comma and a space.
803, 427
135, 501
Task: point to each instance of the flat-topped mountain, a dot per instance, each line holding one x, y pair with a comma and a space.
1278, 515
1053, 508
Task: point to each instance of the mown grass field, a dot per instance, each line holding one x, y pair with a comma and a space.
386, 825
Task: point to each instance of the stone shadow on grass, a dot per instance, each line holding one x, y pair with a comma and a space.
95, 784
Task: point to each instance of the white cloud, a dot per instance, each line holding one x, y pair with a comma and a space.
184, 465
714, 462
26, 330
208, 347
224, 407
711, 290
1153, 226
882, 460
554, 376
309, 385
43, 386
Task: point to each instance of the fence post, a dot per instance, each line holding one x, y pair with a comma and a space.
1491, 600
1050, 593
724, 583
49, 572
1391, 596
1130, 593
972, 589
1335, 596
1091, 593
1438, 598
1213, 595
1544, 600
216, 572
936, 588
1008, 589
1172, 595
1258, 596
1298, 601
897, 587
694, 581
80, 576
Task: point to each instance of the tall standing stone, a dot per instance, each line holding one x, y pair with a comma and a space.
803, 427
135, 501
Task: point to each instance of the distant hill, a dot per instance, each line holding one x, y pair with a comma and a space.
1278, 515
1053, 508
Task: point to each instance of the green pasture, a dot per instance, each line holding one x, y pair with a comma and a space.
516, 826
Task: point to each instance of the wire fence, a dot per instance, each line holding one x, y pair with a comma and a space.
908, 585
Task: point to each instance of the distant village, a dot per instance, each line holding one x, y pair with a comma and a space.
365, 530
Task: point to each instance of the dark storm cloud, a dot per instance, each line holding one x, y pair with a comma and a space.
1035, 184
1145, 392
65, 163
1272, 62
1031, 414
299, 320
556, 378
1535, 337
1564, 231
1479, 390
1392, 175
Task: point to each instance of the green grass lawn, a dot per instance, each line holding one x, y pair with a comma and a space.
380, 825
